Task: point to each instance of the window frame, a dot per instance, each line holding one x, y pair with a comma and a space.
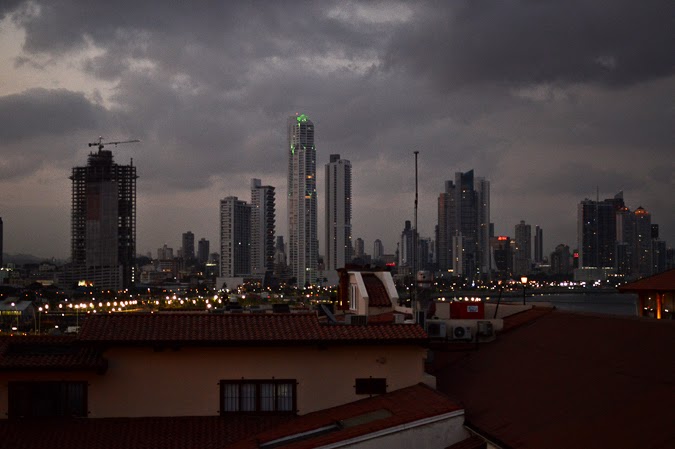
370, 385
258, 405
22, 397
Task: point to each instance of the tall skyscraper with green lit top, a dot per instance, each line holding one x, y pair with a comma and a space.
303, 242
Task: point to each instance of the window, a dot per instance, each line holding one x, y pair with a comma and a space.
352, 296
47, 399
371, 385
257, 396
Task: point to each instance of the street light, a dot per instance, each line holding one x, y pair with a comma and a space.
523, 279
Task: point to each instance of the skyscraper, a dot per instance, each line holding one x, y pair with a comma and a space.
378, 250
103, 223
203, 250
523, 255
538, 245
235, 237
338, 212
303, 245
464, 225
188, 245
597, 231
263, 222
1, 238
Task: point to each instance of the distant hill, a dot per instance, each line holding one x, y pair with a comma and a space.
22, 259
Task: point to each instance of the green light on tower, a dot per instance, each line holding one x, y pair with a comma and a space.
302, 118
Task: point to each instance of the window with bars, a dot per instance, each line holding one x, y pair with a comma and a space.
257, 396
47, 399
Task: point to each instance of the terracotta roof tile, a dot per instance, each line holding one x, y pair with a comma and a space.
377, 293
403, 406
664, 282
125, 433
34, 353
240, 329
570, 380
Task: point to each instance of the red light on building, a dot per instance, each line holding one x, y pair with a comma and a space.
576, 255
502, 238
391, 264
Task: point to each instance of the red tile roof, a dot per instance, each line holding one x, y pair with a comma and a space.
402, 406
129, 433
473, 442
662, 282
570, 380
526, 316
377, 293
34, 353
240, 329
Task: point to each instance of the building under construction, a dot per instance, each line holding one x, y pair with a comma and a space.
103, 226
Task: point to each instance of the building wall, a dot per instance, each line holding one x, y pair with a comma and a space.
141, 381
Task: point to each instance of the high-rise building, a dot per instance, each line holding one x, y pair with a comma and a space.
501, 251
596, 231
378, 250
303, 245
560, 260
103, 223
643, 242
523, 254
203, 248
338, 213
235, 237
165, 253
1, 239
188, 245
263, 220
359, 248
538, 245
464, 223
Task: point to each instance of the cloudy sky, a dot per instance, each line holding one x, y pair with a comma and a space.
549, 100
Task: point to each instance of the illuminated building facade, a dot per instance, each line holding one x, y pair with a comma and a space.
263, 222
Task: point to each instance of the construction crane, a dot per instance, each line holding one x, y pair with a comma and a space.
100, 144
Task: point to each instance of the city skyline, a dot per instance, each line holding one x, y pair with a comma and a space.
385, 80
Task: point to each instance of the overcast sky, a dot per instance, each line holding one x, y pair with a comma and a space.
548, 100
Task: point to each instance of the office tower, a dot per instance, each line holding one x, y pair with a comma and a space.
643, 242
523, 255
235, 237
625, 241
188, 246
103, 223
424, 253
263, 220
1, 239
501, 253
538, 245
464, 222
406, 257
165, 253
359, 248
560, 260
378, 250
303, 245
203, 250
596, 231
338, 213
482, 187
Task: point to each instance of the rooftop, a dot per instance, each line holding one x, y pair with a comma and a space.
35, 353
241, 329
561, 380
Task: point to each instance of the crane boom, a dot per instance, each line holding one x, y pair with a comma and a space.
100, 144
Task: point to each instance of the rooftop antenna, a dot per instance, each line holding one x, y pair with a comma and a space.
414, 252
100, 144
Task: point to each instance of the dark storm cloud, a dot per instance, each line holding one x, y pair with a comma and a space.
548, 97
39, 112
517, 42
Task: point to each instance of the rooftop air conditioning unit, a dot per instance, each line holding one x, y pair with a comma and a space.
356, 320
485, 328
436, 328
461, 333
